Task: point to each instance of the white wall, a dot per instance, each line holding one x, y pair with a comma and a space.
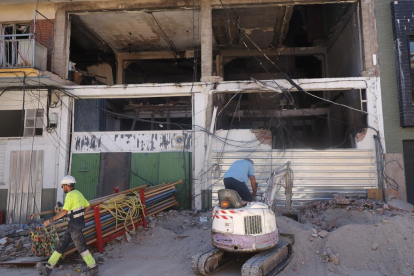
131, 141
54, 145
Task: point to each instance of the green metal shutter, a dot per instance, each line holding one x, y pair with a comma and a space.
173, 167
145, 165
85, 169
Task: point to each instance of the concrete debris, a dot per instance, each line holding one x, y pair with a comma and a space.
332, 257
19, 245
152, 224
314, 235
127, 237
314, 211
323, 234
314, 231
341, 200
374, 246
399, 204
5, 241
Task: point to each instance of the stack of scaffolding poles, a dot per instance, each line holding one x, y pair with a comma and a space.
111, 216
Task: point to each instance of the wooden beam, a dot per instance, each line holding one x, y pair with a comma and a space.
305, 112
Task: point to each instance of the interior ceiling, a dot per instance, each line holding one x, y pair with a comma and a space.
155, 31
266, 26
173, 30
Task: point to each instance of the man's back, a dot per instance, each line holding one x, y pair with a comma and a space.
240, 170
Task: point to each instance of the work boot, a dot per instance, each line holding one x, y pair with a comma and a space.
91, 271
45, 270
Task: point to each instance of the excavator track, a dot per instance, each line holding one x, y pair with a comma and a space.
209, 262
262, 264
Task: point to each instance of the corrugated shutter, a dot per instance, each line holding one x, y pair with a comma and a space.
173, 167
26, 183
145, 165
318, 175
3, 148
85, 169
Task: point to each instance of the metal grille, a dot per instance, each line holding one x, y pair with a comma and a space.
253, 225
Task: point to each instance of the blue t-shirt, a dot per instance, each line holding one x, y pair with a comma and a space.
240, 170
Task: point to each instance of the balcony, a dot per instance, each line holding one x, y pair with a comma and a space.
22, 51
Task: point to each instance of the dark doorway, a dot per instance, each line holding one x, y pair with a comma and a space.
114, 171
408, 147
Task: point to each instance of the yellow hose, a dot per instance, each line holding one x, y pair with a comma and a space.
116, 205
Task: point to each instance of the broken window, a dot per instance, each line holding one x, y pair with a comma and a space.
34, 122
166, 113
11, 123
296, 119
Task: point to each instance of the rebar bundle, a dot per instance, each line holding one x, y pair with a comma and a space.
117, 213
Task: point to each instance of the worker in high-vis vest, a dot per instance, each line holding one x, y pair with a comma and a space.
74, 208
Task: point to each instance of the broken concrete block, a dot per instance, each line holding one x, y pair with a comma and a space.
314, 235
152, 224
323, 234
400, 205
5, 241
19, 245
341, 200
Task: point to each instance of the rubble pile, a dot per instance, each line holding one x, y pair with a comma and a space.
15, 242
315, 211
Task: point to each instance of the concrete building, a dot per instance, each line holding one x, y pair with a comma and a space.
394, 39
163, 90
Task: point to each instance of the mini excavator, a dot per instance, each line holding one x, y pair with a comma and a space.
249, 230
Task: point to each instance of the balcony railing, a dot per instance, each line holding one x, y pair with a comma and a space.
22, 51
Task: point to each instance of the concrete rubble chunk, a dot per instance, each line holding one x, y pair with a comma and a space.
152, 224
314, 235
127, 237
374, 246
323, 234
400, 205
341, 200
5, 241
19, 245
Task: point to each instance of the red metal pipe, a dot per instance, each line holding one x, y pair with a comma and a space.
98, 229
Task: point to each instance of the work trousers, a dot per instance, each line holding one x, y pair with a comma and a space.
75, 235
239, 187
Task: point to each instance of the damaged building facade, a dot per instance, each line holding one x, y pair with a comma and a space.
168, 90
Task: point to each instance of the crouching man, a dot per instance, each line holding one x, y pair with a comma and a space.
236, 177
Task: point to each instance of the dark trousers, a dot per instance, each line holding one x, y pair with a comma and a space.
74, 234
239, 187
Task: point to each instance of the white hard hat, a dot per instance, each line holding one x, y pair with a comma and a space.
68, 180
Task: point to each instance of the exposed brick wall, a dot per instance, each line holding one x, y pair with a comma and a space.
44, 33
394, 133
403, 26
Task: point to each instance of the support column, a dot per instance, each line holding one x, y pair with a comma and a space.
369, 38
206, 40
200, 144
119, 69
